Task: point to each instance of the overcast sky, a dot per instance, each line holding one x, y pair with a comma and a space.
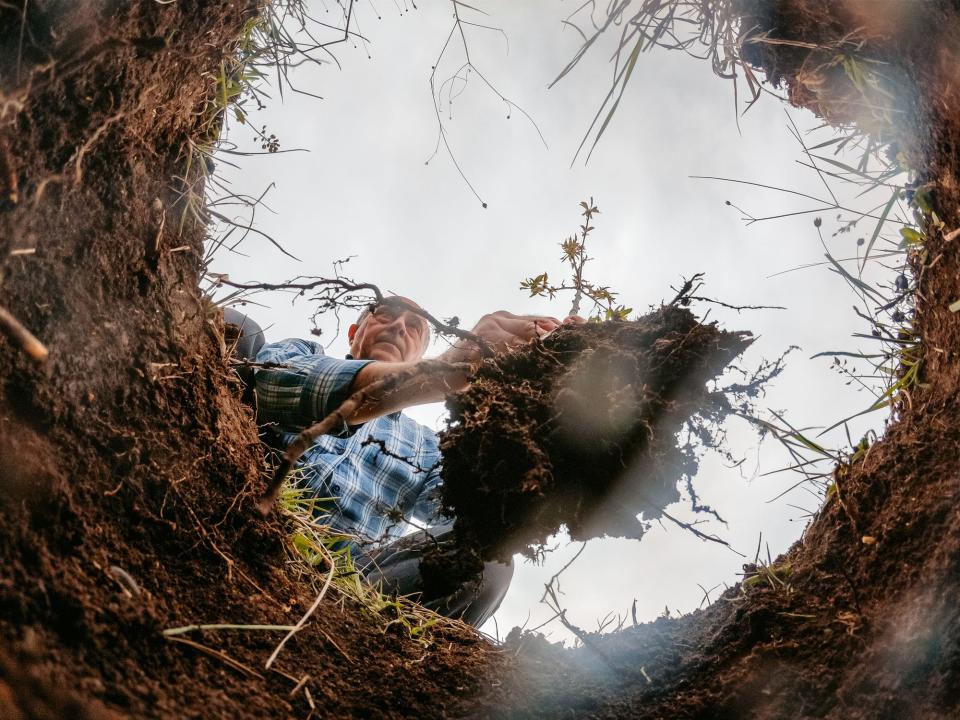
363, 191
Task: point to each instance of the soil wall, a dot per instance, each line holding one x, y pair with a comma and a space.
128, 465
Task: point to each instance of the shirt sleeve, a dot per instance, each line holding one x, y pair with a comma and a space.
428, 509
305, 388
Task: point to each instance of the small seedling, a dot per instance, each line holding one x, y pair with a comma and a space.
776, 576
575, 256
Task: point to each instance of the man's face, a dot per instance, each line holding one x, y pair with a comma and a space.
390, 333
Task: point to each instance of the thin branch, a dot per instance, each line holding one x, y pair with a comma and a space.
309, 285
346, 286
738, 308
306, 616
219, 655
462, 74
683, 293
698, 533
558, 573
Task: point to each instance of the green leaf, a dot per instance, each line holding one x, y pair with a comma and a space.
849, 169
618, 313
911, 236
921, 198
630, 64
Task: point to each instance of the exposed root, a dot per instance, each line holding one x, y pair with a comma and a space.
15, 329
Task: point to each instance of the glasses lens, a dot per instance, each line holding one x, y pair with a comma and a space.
415, 324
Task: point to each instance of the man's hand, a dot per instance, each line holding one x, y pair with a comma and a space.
502, 330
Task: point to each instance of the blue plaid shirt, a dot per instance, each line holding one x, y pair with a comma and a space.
371, 486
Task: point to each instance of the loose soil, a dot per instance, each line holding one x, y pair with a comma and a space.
129, 467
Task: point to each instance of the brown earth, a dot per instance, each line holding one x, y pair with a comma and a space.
129, 468
579, 430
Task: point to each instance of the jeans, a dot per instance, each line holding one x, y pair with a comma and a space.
396, 569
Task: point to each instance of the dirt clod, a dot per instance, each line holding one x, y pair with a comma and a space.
580, 430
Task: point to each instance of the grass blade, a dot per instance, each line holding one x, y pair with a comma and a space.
879, 227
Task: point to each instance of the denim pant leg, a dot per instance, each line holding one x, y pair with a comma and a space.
396, 568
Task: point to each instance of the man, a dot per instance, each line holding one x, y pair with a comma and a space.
382, 470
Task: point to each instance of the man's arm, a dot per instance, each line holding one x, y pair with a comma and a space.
301, 385
501, 330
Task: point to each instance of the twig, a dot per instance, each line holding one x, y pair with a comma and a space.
235, 664
546, 622
683, 293
738, 308
306, 616
698, 533
462, 75
581, 634
447, 328
558, 573
827, 205
552, 601
33, 347
348, 286
170, 632
304, 286
415, 466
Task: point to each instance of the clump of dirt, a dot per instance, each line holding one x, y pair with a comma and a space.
580, 430
873, 65
445, 566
